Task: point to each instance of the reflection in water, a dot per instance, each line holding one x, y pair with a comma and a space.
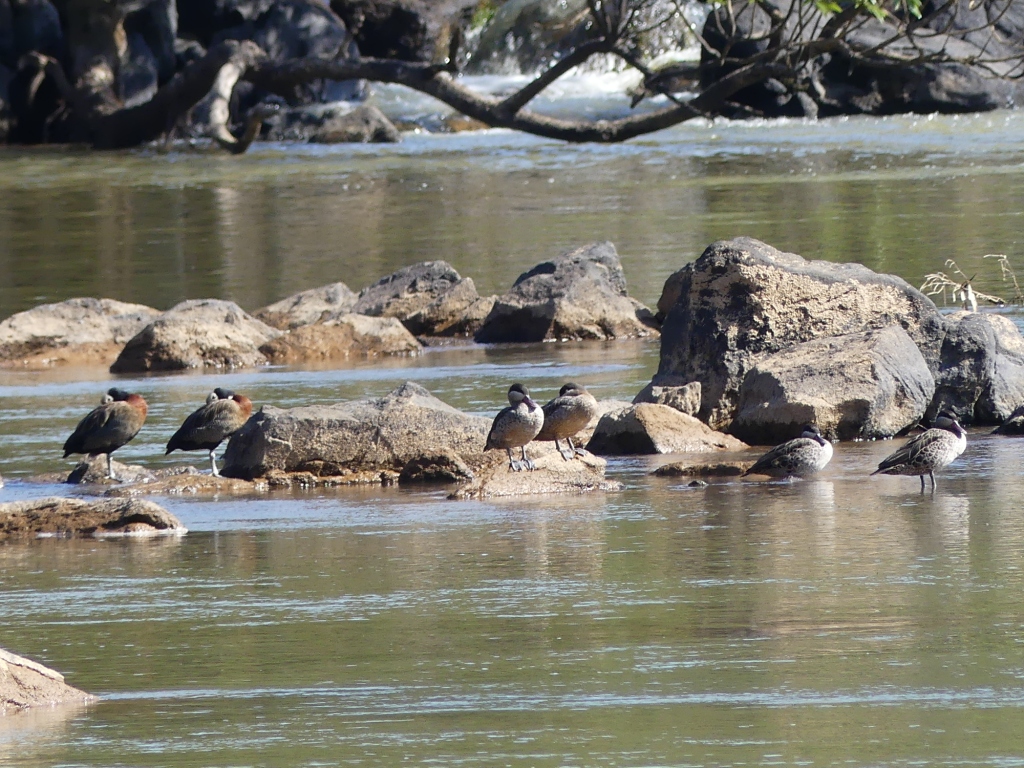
38, 735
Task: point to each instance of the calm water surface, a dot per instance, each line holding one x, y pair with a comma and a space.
840, 621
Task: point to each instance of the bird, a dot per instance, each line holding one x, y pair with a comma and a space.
799, 457
516, 426
931, 450
565, 416
207, 427
110, 425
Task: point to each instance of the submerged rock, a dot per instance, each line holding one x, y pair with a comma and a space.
715, 469
362, 436
69, 518
342, 338
553, 474
82, 331
197, 334
856, 386
648, 428
25, 683
578, 295
743, 301
315, 305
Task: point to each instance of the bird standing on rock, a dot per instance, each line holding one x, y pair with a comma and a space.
516, 426
110, 425
565, 416
206, 428
933, 449
799, 457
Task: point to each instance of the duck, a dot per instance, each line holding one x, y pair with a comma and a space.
930, 451
799, 457
109, 426
565, 416
516, 426
207, 427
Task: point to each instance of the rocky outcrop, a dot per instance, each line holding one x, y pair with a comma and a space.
197, 334
649, 428
856, 386
430, 298
981, 368
82, 331
685, 398
743, 301
553, 474
71, 518
340, 339
366, 435
25, 683
578, 295
315, 305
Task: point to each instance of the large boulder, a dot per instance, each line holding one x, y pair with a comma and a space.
362, 436
981, 368
648, 428
68, 518
315, 305
347, 336
553, 474
743, 300
578, 295
430, 298
78, 331
197, 334
25, 683
856, 386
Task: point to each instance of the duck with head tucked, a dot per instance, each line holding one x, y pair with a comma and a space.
206, 428
930, 451
107, 427
799, 457
565, 416
515, 426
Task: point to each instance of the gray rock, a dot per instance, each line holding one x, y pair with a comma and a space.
25, 683
743, 299
648, 428
93, 471
197, 334
342, 338
77, 331
856, 386
430, 298
306, 307
436, 467
578, 295
685, 398
68, 518
553, 474
365, 435
335, 123
981, 368
1013, 426
705, 469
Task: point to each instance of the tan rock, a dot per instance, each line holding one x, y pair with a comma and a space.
708, 469
190, 484
72, 518
339, 339
307, 307
553, 474
684, 397
25, 683
648, 428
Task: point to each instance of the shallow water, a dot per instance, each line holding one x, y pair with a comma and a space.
844, 620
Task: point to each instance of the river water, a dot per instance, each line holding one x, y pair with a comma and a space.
841, 621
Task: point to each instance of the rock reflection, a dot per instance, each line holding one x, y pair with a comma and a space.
37, 735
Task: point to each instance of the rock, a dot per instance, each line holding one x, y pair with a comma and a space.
362, 436
650, 428
578, 295
334, 123
685, 398
275, 478
307, 307
93, 471
552, 475
524, 34
76, 331
1013, 426
25, 683
196, 334
857, 386
435, 467
743, 299
430, 298
689, 469
347, 336
409, 30
68, 518
981, 368
189, 484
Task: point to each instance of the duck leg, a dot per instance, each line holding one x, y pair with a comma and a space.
527, 462
513, 465
213, 463
566, 455
110, 469
932, 476
577, 451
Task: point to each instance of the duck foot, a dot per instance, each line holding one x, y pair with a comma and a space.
529, 464
515, 466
